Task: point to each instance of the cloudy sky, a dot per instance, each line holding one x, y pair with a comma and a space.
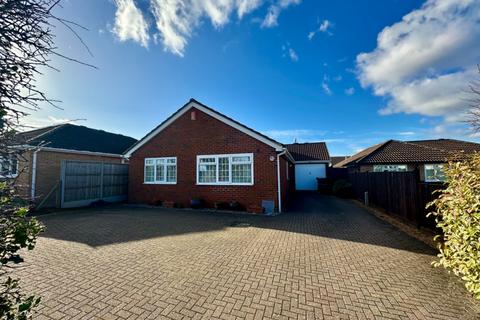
352, 73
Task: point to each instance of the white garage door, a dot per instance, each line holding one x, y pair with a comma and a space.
306, 175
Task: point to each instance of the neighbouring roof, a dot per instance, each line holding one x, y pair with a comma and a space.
420, 151
312, 151
219, 116
336, 159
78, 138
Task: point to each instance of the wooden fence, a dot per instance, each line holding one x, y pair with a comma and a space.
397, 193
84, 182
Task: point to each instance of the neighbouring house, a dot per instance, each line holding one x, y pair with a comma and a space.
38, 170
426, 156
336, 159
311, 162
199, 154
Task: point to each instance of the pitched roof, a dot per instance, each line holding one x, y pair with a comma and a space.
198, 105
313, 151
74, 137
420, 151
336, 159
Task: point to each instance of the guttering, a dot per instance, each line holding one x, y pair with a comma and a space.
34, 174
278, 180
93, 153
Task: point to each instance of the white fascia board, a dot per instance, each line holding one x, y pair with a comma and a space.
276, 146
93, 153
313, 162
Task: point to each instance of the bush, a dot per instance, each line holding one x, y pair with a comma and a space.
17, 231
342, 188
457, 214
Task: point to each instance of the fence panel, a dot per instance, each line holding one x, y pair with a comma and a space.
398, 193
84, 182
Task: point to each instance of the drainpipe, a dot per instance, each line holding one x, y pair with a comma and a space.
278, 180
34, 174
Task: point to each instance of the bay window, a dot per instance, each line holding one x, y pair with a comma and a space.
226, 169
161, 170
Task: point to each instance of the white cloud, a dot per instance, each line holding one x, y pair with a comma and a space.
130, 23
31, 121
288, 51
271, 19
325, 27
326, 88
424, 63
176, 20
350, 91
293, 55
290, 135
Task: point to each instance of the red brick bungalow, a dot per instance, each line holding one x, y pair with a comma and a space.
199, 153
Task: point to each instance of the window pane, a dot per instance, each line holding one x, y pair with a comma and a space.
149, 161
207, 173
223, 170
171, 160
434, 172
149, 173
160, 173
13, 168
241, 173
390, 168
171, 173
207, 160
241, 159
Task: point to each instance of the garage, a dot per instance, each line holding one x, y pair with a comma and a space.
306, 175
311, 162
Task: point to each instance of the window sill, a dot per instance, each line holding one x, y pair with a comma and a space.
224, 184
167, 183
8, 176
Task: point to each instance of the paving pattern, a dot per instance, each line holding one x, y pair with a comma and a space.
326, 259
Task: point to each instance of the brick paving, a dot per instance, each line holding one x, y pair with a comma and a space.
327, 259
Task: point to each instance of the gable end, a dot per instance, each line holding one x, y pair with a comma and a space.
197, 105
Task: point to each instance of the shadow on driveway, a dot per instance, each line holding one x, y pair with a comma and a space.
310, 213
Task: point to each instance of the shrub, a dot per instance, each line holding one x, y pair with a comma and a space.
457, 214
342, 188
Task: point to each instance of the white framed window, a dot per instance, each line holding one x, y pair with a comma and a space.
434, 173
8, 167
160, 170
390, 168
225, 169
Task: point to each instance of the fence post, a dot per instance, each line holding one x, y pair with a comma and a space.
366, 198
62, 183
101, 180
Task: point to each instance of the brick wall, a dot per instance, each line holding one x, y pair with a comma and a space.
185, 139
49, 170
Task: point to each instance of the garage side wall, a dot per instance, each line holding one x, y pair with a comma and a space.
49, 171
201, 134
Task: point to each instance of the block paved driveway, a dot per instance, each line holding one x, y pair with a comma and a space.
328, 259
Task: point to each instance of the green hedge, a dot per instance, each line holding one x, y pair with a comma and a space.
457, 213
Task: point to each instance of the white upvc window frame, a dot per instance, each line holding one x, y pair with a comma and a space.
10, 175
390, 165
432, 165
165, 165
229, 182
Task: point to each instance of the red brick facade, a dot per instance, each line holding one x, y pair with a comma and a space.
201, 134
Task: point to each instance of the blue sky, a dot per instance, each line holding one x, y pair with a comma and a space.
351, 73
